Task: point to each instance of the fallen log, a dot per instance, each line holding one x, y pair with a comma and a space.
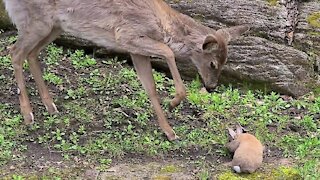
262, 58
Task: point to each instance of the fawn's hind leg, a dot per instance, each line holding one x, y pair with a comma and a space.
28, 38
37, 74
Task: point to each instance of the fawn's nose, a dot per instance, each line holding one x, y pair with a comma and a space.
210, 88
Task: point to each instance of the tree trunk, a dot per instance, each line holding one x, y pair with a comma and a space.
280, 53
4, 19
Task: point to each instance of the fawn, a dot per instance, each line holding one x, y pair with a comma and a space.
142, 28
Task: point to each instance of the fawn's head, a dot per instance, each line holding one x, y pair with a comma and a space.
211, 54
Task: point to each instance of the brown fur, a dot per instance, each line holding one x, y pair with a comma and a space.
142, 28
248, 152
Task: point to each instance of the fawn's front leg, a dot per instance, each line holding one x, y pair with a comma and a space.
148, 47
142, 65
178, 83
141, 48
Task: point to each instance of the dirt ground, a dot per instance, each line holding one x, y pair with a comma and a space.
42, 163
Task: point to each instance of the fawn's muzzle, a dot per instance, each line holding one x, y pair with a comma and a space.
210, 88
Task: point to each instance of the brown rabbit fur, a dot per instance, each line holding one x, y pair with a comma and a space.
248, 151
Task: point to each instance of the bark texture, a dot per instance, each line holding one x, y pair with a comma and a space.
4, 19
280, 53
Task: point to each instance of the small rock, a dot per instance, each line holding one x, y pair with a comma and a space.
298, 117
203, 91
112, 169
161, 177
311, 98
91, 174
260, 102
286, 98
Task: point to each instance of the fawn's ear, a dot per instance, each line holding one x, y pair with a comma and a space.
210, 44
232, 133
233, 32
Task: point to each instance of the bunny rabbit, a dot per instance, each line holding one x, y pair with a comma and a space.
248, 151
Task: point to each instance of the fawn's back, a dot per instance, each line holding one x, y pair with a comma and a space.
100, 21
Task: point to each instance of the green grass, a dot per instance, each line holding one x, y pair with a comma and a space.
273, 2
105, 114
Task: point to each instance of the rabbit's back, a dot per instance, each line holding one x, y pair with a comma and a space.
249, 155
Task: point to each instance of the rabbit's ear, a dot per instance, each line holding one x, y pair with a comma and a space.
239, 129
244, 130
232, 133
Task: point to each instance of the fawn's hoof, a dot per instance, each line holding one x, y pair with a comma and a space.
172, 136
177, 141
171, 107
52, 108
28, 118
